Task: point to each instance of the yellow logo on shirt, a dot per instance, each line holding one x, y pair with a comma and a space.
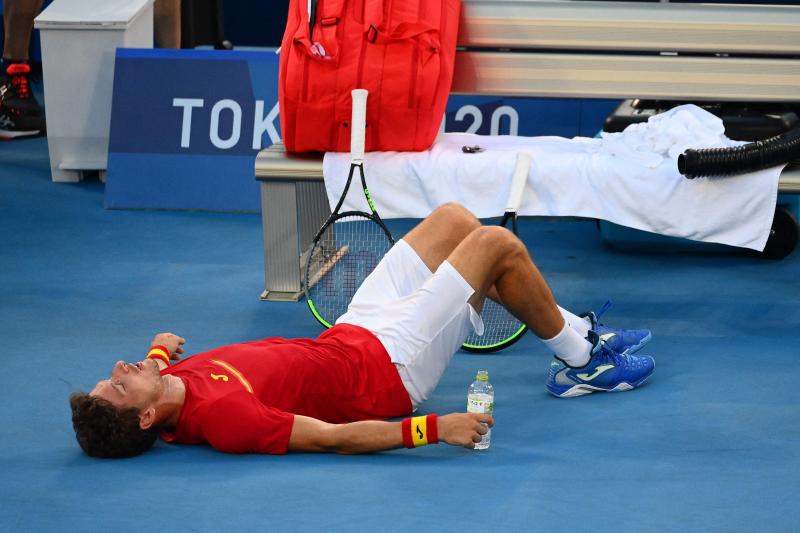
217, 377
238, 375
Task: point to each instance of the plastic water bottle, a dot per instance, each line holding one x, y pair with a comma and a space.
480, 399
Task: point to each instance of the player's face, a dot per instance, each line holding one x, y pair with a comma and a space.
131, 384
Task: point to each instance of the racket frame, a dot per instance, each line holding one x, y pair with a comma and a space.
358, 125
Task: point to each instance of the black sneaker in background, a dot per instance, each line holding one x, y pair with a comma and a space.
20, 114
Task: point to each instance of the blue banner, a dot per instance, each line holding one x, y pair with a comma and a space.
186, 126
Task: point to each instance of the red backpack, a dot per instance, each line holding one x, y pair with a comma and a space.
401, 52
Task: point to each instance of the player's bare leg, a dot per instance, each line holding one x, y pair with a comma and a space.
492, 255
437, 236
497, 265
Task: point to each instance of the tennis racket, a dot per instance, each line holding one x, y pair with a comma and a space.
349, 244
501, 328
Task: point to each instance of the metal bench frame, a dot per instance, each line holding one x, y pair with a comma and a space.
691, 52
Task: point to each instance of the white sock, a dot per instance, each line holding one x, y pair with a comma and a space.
570, 347
581, 325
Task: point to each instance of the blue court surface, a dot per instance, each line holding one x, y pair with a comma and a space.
710, 443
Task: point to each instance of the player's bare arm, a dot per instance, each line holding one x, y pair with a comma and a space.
312, 435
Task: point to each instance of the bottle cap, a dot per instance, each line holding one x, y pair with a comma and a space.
483, 375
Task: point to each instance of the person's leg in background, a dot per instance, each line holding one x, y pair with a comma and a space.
18, 18
20, 113
167, 23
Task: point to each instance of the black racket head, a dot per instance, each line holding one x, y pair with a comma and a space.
346, 250
500, 328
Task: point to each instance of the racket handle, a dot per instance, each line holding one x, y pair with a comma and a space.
358, 123
518, 181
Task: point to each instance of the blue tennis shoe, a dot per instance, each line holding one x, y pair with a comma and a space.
607, 371
622, 341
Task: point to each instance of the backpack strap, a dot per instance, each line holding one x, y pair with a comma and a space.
325, 45
404, 31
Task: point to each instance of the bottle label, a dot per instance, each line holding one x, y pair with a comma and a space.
476, 405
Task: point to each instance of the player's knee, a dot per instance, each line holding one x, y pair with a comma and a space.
499, 240
455, 215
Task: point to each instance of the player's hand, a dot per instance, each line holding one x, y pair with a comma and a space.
464, 429
171, 342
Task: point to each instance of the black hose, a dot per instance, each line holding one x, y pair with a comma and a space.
741, 159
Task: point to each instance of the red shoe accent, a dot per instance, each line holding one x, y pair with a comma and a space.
19, 79
15, 69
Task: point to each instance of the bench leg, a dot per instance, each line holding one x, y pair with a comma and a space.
291, 214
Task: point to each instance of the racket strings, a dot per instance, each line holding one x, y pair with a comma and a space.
499, 326
347, 252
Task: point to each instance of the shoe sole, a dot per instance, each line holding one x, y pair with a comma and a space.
636, 347
582, 388
8, 135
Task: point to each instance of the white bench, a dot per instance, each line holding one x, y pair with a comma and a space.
688, 52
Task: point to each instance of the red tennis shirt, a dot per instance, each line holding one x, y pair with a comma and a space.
243, 398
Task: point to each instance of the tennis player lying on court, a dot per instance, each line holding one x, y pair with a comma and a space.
382, 359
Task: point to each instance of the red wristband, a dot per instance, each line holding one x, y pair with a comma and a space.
433, 429
420, 430
408, 442
159, 352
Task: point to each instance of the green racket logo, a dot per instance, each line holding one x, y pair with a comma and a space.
369, 199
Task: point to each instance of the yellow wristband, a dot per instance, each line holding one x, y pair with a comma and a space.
420, 431
159, 352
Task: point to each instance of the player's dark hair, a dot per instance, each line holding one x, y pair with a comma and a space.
106, 431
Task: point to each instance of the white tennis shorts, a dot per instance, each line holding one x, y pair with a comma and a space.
421, 317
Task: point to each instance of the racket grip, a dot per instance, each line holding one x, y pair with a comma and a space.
518, 181
358, 124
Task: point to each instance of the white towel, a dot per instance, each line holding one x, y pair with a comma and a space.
629, 178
